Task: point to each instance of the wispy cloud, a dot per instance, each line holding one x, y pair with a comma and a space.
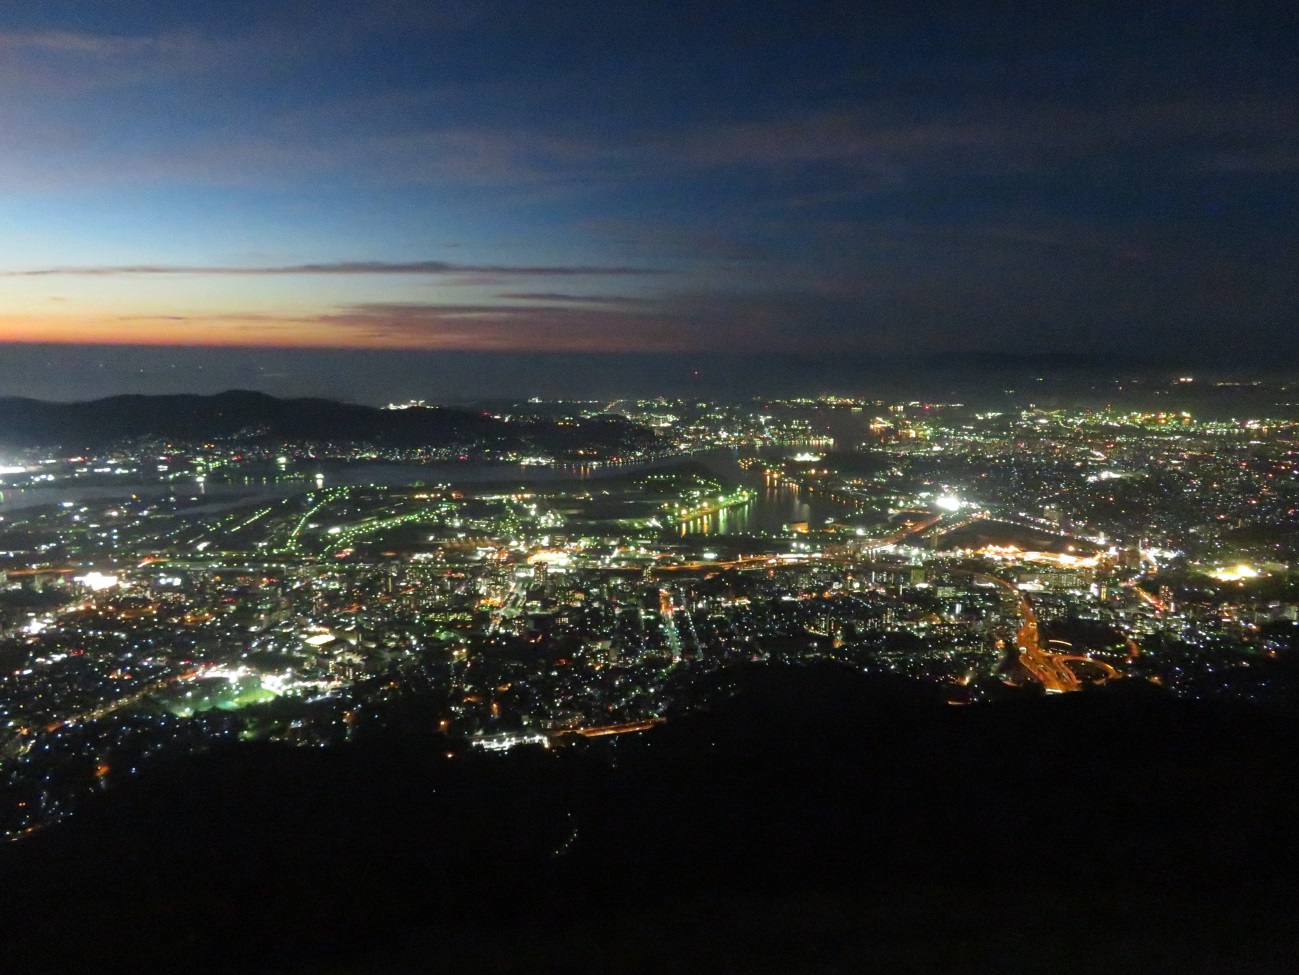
566, 299
548, 327
339, 268
828, 137
37, 66
485, 327
73, 42
1260, 161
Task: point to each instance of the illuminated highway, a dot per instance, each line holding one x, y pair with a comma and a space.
24, 739
745, 562
669, 623
1049, 669
1109, 672
106, 709
909, 528
600, 731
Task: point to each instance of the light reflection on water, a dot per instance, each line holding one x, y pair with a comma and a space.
774, 507
331, 475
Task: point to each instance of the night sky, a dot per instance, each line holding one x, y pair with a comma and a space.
189, 188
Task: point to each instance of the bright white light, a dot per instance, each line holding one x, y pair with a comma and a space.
1235, 573
949, 503
505, 741
96, 581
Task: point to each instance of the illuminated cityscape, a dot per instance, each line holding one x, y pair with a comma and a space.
167, 598
584, 487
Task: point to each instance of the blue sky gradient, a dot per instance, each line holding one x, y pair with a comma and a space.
511, 178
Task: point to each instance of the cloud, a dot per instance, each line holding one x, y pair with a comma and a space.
992, 288
788, 320
339, 268
414, 325
38, 66
1263, 161
573, 299
991, 139
515, 328
72, 42
435, 137
826, 137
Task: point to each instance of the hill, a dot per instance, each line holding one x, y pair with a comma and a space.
252, 417
817, 822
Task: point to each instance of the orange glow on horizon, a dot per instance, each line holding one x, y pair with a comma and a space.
322, 333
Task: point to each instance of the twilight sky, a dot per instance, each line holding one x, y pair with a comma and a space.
693, 180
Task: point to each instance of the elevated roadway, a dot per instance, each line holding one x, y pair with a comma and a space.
1049, 669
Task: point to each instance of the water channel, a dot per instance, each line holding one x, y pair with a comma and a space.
775, 506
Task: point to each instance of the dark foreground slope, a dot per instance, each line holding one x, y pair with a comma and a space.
816, 823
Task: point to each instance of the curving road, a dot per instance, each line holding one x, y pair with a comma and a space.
1049, 669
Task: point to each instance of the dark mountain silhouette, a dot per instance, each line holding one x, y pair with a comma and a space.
258, 417
817, 822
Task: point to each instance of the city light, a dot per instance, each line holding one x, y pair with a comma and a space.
97, 581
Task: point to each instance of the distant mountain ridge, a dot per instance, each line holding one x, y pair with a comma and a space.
187, 418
